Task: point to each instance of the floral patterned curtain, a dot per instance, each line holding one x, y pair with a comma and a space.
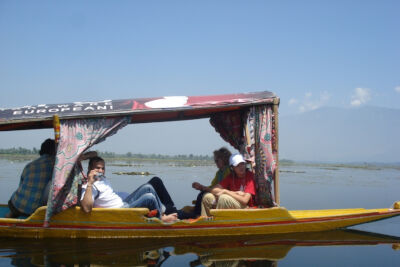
76, 136
230, 126
259, 138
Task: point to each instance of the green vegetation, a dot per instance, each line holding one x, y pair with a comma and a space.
125, 165
191, 160
129, 155
19, 154
181, 160
134, 173
337, 166
20, 151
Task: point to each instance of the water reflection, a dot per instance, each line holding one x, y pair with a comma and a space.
221, 251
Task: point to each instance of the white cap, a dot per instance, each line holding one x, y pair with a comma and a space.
235, 159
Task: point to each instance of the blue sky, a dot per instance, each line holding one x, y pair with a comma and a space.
310, 53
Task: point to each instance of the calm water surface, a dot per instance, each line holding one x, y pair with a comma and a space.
302, 187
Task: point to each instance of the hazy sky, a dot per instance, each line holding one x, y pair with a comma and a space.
310, 53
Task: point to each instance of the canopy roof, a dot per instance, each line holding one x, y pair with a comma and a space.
141, 110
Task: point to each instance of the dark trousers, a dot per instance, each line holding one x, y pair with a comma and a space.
163, 194
197, 205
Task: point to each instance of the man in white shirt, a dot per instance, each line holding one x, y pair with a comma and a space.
97, 192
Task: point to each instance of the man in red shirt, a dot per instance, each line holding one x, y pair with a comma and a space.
236, 191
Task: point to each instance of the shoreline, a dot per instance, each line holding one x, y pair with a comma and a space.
210, 162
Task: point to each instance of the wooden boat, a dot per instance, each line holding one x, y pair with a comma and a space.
130, 223
71, 222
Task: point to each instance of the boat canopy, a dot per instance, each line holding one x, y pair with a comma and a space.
139, 110
247, 121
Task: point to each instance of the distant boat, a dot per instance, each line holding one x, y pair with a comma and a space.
248, 121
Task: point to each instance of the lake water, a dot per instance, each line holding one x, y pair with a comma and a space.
302, 187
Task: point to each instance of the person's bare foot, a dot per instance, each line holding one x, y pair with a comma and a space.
169, 218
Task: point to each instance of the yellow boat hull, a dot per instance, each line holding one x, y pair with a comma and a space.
133, 223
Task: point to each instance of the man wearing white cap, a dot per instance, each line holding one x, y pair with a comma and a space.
236, 191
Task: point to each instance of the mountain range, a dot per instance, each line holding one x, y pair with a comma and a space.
365, 134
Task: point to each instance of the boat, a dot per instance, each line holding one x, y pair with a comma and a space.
248, 121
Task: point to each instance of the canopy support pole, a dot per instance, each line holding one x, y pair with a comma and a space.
56, 126
276, 150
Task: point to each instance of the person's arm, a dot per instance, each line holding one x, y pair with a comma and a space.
240, 196
216, 190
88, 155
87, 201
201, 187
23, 175
204, 188
243, 197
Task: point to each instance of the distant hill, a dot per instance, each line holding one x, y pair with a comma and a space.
367, 134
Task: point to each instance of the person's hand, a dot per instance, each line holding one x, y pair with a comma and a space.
91, 177
240, 193
197, 186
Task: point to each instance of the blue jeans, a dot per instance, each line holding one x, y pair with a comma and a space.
145, 197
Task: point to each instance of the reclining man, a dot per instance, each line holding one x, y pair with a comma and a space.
97, 192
